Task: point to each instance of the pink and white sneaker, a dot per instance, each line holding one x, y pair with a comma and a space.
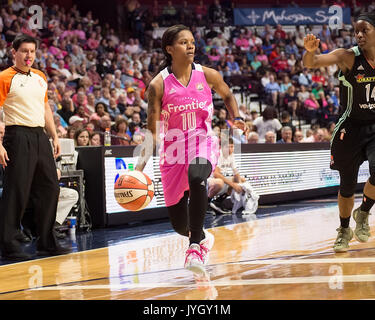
194, 259
206, 245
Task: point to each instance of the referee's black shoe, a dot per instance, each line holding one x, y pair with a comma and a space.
52, 251
22, 237
14, 253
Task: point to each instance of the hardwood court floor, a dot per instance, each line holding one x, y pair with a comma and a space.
286, 256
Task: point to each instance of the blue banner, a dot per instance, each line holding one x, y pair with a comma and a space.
333, 16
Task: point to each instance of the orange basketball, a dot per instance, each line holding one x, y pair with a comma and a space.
134, 190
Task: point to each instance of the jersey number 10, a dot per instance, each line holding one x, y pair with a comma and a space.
368, 89
189, 121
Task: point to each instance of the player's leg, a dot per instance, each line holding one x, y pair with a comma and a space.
348, 182
346, 156
178, 215
198, 173
201, 241
360, 215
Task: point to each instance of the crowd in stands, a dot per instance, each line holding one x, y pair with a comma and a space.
98, 79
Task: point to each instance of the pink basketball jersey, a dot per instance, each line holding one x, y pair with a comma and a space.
185, 130
186, 116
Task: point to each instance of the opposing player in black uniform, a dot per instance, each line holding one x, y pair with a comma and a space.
353, 140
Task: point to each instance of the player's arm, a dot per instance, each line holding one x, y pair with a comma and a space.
51, 129
216, 82
343, 58
154, 96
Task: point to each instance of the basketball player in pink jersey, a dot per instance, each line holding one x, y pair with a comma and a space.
180, 110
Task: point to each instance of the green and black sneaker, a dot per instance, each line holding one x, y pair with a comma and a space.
342, 240
362, 229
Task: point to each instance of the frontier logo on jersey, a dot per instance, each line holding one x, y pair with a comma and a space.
186, 107
361, 78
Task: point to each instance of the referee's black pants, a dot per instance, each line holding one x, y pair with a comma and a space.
30, 174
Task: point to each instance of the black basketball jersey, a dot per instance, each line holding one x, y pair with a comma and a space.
357, 90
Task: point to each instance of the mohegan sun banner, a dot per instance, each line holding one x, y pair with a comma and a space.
291, 16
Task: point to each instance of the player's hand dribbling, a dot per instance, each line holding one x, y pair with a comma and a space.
240, 125
311, 43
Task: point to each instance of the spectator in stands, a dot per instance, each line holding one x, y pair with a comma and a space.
279, 31
67, 107
319, 78
270, 137
253, 137
272, 90
254, 114
298, 136
325, 34
317, 136
311, 107
244, 112
121, 128
329, 113
233, 66
220, 41
291, 101
100, 111
286, 135
81, 112
285, 122
267, 122
95, 139
255, 64
93, 75
303, 94
82, 137
284, 85
242, 43
112, 109
136, 122
213, 57
274, 55
281, 65
76, 121
304, 78
77, 56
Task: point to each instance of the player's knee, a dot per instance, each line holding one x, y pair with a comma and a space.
347, 190
196, 180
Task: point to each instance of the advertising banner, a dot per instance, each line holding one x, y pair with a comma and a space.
333, 16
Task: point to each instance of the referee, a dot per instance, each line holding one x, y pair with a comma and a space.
26, 153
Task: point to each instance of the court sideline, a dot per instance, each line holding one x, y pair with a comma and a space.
284, 253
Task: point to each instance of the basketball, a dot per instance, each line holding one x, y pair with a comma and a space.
134, 190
